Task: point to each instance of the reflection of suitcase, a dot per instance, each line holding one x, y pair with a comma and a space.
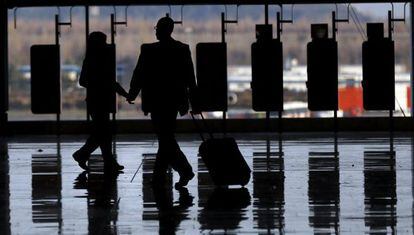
233, 200
223, 160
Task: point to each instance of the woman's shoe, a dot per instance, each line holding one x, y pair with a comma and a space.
81, 159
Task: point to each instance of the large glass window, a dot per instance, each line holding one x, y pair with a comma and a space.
37, 26
202, 24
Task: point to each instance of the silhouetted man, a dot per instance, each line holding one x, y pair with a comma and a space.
97, 77
165, 76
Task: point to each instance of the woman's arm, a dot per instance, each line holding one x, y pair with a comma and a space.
83, 80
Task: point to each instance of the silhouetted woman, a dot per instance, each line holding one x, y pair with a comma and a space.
98, 77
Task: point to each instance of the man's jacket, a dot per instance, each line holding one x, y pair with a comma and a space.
165, 75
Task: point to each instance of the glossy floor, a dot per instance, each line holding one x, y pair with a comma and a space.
303, 184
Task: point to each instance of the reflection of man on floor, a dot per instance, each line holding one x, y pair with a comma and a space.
165, 76
170, 213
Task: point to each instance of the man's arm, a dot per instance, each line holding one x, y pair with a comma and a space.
191, 81
190, 77
137, 77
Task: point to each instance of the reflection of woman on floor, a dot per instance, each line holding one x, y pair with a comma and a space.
101, 91
102, 198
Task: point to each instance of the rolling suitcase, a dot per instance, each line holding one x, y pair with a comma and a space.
223, 159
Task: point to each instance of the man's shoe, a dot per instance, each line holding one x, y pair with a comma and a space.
184, 179
81, 159
112, 166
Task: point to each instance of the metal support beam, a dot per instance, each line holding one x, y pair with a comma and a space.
4, 188
44, 3
412, 54
223, 40
58, 24
4, 67
86, 45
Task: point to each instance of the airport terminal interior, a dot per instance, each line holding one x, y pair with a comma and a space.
301, 119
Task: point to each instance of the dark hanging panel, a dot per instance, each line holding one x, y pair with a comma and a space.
267, 75
264, 32
45, 79
322, 60
378, 70
212, 76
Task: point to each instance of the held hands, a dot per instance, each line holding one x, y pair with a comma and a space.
129, 99
122, 92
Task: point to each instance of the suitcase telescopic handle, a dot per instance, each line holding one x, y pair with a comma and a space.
200, 131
